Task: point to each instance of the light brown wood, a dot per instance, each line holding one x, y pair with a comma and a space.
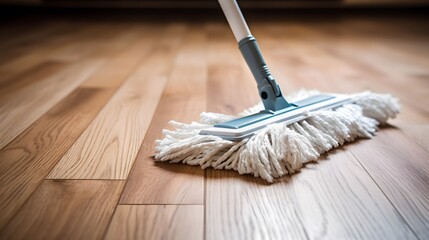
44, 47
72, 44
418, 133
334, 199
28, 104
108, 147
183, 99
30, 77
157, 222
124, 62
28, 159
401, 169
25, 36
66, 210
116, 149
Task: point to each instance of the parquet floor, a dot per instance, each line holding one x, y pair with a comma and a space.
82, 103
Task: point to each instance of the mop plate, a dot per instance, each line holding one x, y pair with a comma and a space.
244, 127
272, 144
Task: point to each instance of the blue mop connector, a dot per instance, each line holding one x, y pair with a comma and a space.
269, 90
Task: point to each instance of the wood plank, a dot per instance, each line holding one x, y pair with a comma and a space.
401, 169
28, 159
10, 86
93, 44
30, 103
243, 207
25, 32
123, 64
108, 147
67, 46
30, 36
183, 99
43, 49
73, 44
316, 203
28, 39
157, 222
66, 210
419, 133
120, 36
340, 200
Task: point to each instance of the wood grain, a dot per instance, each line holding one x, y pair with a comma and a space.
28, 159
28, 104
94, 44
401, 169
157, 222
66, 210
26, 78
316, 203
246, 208
42, 50
418, 133
340, 200
69, 45
108, 147
183, 99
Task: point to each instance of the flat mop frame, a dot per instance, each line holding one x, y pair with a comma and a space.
280, 139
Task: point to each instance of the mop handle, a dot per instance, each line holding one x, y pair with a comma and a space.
235, 19
269, 90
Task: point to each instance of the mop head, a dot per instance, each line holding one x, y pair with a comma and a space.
278, 149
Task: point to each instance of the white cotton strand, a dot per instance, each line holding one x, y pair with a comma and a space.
278, 149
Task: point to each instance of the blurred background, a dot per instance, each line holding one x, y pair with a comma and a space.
322, 6
213, 3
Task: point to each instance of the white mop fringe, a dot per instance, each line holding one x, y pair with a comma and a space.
278, 149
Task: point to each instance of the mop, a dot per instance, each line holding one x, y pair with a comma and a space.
277, 136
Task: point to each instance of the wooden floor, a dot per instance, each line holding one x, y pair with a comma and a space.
82, 103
